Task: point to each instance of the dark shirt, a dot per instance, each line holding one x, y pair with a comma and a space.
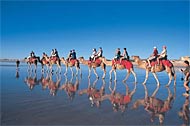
74, 55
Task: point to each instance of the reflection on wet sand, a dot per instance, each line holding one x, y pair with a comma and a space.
118, 100
155, 106
70, 88
17, 74
31, 80
93, 93
45, 81
184, 112
54, 85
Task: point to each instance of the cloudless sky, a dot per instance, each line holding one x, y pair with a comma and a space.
83, 25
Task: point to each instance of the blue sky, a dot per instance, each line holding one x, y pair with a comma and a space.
83, 25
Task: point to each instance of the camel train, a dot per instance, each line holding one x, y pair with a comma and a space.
102, 62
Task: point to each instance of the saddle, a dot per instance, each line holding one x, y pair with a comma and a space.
97, 61
54, 58
124, 62
163, 62
73, 61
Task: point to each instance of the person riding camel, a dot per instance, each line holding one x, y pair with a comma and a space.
163, 55
99, 53
117, 55
124, 55
153, 56
92, 57
69, 56
74, 55
56, 53
32, 55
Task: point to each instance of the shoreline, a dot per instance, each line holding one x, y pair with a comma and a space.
175, 62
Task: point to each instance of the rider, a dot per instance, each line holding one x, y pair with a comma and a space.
163, 54
69, 55
32, 55
73, 56
153, 56
56, 53
187, 75
124, 55
99, 53
117, 54
92, 57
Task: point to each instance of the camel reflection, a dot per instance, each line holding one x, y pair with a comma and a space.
184, 112
70, 88
31, 80
95, 95
45, 80
54, 85
119, 101
155, 106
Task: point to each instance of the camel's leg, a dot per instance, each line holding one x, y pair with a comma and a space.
80, 71
154, 93
127, 76
170, 79
147, 72
29, 67
146, 92
110, 74
104, 74
115, 74
72, 71
42, 68
77, 70
134, 74
155, 76
35, 68
89, 71
103, 66
66, 69
95, 72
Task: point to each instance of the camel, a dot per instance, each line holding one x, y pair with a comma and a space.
53, 60
32, 60
155, 106
124, 65
156, 68
31, 81
118, 100
95, 95
71, 64
54, 86
45, 61
94, 65
70, 88
45, 81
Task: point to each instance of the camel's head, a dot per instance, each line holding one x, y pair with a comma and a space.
135, 58
81, 58
137, 103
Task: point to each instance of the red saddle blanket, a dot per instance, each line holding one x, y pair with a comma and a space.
98, 61
73, 61
54, 58
125, 63
32, 59
162, 62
